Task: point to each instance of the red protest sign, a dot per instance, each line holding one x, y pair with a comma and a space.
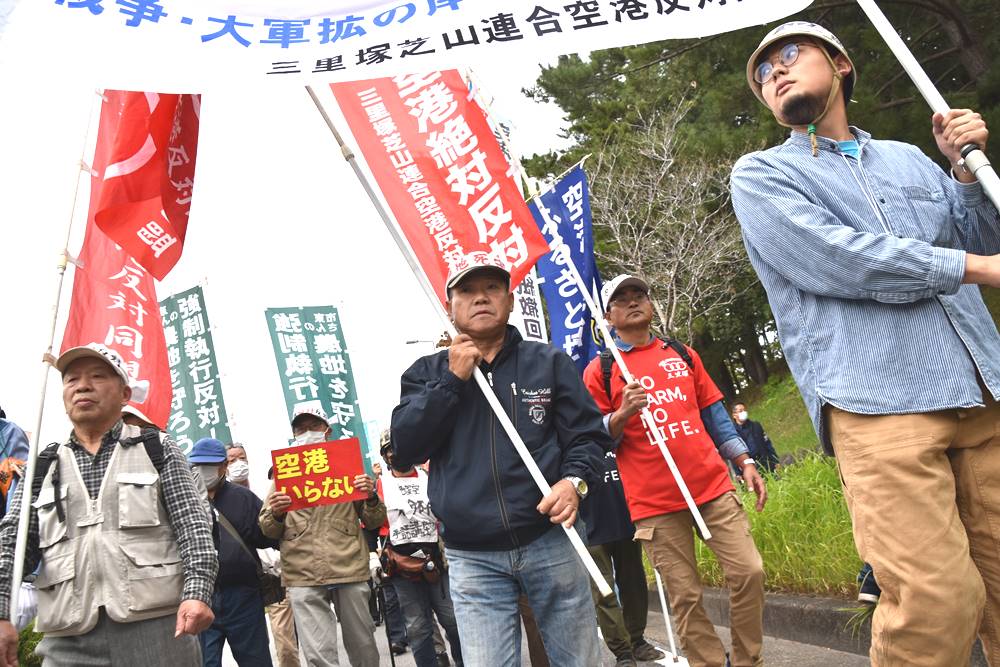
320, 474
442, 172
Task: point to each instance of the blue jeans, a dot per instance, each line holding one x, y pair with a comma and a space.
484, 589
393, 614
419, 599
239, 619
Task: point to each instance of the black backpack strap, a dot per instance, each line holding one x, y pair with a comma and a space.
150, 438
45, 459
682, 350
606, 361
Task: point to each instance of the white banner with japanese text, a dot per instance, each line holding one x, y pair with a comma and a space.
180, 45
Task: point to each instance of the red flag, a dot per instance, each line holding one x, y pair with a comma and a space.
441, 170
114, 297
148, 174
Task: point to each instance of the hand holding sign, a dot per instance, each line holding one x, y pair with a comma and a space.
326, 473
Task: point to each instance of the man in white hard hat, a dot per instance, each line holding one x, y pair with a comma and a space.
870, 254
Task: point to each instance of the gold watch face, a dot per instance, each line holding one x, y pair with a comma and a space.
581, 487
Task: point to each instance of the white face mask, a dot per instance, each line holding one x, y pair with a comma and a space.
209, 473
238, 471
742, 416
310, 438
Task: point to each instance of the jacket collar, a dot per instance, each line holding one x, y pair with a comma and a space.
825, 144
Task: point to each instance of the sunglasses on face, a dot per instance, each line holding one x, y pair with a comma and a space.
787, 56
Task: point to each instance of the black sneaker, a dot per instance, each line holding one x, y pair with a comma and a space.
868, 589
625, 661
397, 648
442, 659
646, 652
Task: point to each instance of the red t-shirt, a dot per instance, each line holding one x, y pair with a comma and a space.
677, 396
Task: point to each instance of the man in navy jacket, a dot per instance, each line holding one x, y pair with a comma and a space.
501, 535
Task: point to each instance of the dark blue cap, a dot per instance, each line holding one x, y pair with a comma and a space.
208, 450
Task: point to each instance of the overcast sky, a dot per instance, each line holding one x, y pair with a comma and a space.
278, 219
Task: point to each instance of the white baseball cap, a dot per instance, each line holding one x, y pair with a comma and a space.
472, 262
97, 351
312, 408
620, 282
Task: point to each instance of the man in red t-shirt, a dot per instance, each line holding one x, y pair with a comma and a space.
687, 407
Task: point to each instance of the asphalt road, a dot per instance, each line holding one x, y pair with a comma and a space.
777, 652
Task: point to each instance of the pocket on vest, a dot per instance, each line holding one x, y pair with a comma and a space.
50, 528
138, 499
58, 604
155, 574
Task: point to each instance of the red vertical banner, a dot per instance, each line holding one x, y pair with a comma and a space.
442, 172
147, 174
114, 296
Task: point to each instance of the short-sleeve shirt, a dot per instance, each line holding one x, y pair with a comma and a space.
677, 396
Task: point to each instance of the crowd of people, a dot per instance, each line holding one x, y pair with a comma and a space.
871, 257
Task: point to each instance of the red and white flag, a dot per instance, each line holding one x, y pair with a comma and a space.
114, 296
441, 170
147, 176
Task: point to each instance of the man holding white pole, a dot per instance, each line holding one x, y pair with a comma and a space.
687, 408
501, 535
870, 255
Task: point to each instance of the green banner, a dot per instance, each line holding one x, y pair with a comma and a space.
315, 368
197, 410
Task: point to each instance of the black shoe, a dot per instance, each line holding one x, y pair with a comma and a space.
625, 661
443, 660
868, 589
397, 648
646, 652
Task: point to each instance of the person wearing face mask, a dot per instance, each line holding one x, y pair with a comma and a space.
238, 471
324, 561
759, 446
236, 601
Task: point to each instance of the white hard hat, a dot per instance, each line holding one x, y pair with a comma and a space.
791, 29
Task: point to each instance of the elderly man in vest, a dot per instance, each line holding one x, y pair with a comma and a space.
127, 563
324, 560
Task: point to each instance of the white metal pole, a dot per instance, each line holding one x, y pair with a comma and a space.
647, 416
975, 159
27, 481
481, 380
666, 616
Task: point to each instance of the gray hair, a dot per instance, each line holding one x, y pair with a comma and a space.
236, 445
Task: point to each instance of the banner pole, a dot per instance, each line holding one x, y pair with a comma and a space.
484, 385
647, 416
27, 481
974, 159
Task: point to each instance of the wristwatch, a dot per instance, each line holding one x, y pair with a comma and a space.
579, 486
748, 461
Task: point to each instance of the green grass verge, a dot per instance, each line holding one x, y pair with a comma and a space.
779, 408
803, 535
26, 644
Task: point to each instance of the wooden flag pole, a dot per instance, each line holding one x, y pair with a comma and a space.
484, 386
27, 480
974, 158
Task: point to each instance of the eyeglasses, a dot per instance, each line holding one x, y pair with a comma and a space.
787, 56
625, 299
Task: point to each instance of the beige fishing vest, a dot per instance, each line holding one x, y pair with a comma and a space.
117, 552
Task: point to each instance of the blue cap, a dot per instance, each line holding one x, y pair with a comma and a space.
208, 450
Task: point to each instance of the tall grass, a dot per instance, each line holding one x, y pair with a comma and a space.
803, 535
779, 408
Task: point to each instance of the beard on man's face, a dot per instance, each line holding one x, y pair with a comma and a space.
802, 108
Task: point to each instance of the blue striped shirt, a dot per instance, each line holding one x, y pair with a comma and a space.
862, 261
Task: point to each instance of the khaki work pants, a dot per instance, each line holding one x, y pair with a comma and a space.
669, 543
286, 646
923, 491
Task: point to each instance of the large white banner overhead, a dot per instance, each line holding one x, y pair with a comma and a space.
190, 45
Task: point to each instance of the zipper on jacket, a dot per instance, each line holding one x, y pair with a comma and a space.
496, 481
513, 404
489, 377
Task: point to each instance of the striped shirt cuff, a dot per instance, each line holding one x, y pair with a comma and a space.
947, 270
970, 194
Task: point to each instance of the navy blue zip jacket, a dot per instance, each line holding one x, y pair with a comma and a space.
478, 486
241, 507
